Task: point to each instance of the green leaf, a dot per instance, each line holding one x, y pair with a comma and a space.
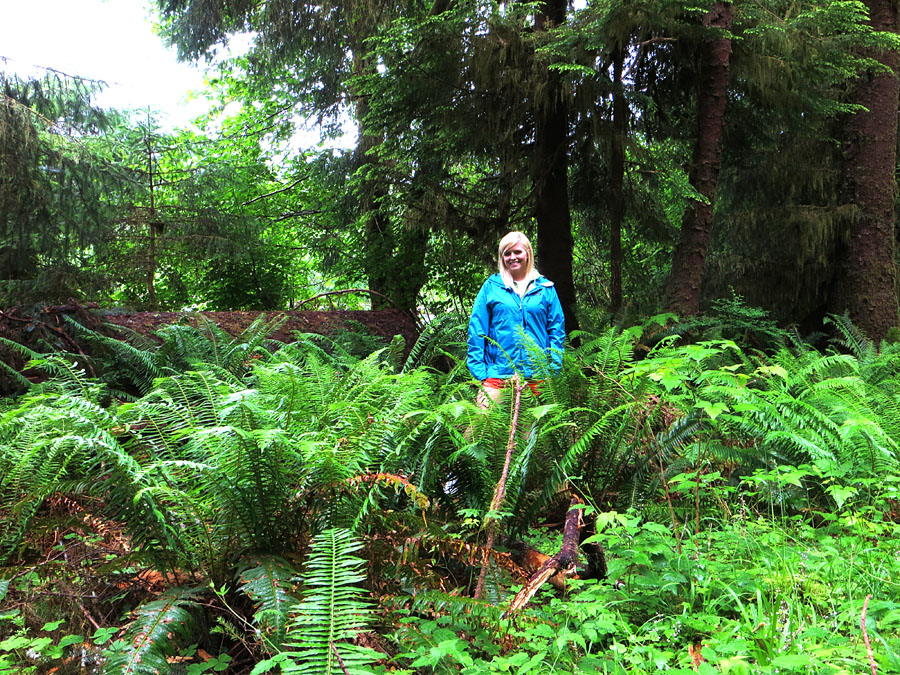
149, 638
268, 584
333, 611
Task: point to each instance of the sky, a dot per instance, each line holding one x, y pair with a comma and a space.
109, 40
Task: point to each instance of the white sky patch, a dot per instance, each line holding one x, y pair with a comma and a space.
109, 40
114, 41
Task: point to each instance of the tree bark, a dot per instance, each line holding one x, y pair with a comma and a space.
617, 180
690, 253
550, 171
394, 262
152, 226
866, 282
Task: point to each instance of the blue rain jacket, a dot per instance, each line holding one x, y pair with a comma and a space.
501, 319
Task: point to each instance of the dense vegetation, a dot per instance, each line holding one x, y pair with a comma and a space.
727, 471
302, 508
661, 153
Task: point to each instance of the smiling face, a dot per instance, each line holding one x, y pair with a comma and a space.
515, 260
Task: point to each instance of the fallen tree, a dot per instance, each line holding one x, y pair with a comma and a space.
48, 329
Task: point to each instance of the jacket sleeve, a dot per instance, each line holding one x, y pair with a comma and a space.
479, 325
556, 330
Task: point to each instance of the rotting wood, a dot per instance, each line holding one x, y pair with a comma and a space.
531, 560
564, 561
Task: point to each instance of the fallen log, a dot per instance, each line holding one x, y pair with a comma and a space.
43, 329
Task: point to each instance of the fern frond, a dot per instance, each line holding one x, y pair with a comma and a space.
151, 635
66, 376
332, 611
851, 336
444, 336
48, 438
268, 583
12, 372
138, 363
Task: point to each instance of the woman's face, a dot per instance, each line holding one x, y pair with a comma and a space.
515, 259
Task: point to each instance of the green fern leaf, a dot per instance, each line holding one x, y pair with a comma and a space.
151, 636
268, 584
333, 611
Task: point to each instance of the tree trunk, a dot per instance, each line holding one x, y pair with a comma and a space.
394, 262
865, 285
690, 253
551, 180
152, 229
617, 181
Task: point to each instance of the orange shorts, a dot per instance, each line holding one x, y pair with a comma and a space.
497, 383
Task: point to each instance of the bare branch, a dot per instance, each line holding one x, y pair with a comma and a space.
275, 192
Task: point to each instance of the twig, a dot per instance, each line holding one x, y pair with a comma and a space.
862, 623
662, 475
87, 614
275, 192
297, 214
500, 490
656, 39
14, 318
339, 659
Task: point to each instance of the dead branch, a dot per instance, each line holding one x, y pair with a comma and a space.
298, 214
339, 659
862, 623
564, 561
500, 490
531, 560
275, 192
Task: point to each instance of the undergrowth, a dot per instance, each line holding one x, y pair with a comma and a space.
252, 507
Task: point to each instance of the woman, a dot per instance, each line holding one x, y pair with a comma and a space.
516, 316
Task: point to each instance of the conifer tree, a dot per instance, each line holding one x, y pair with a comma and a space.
53, 205
318, 51
551, 179
866, 282
690, 254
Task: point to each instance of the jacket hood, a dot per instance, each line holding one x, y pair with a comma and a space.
497, 280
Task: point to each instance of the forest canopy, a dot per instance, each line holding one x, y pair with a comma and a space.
662, 155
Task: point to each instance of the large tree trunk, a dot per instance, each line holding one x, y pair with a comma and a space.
394, 259
551, 179
617, 181
690, 253
865, 285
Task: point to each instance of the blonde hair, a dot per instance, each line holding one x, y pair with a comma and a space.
508, 240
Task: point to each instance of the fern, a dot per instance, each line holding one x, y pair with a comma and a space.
332, 612
48, 438
138, 363
443, 338
267, 582
150, 637
16, 376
